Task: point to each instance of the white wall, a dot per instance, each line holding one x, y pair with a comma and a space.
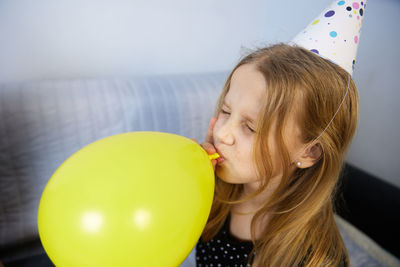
47, 39
69, 38
376, 146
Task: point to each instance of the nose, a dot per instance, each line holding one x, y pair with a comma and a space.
224, 133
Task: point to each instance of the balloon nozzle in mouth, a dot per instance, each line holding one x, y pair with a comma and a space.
214, 156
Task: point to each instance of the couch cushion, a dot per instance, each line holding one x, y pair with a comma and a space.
43, 123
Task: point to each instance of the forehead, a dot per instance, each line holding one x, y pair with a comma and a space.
247, 89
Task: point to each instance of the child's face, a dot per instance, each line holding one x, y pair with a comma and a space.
234, 130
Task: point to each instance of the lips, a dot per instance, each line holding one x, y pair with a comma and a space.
221, 158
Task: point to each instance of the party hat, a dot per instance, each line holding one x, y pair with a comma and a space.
335, 33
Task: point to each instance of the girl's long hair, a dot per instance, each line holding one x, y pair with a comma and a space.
301, 230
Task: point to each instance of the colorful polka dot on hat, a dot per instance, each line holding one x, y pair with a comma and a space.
335, 33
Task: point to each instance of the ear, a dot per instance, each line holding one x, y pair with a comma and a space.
310, 156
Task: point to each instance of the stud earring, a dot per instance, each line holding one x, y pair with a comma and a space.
298, 164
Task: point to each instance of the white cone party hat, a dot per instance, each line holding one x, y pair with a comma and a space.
335, 33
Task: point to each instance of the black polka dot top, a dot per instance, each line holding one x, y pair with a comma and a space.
223, 250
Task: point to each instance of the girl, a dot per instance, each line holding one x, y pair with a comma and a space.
284, 122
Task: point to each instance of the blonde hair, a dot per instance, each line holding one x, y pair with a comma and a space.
302, 229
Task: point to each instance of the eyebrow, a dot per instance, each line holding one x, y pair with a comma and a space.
247, 117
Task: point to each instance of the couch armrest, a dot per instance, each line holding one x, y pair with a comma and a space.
363, 251
372, 205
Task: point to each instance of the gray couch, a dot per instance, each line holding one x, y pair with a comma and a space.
43, 123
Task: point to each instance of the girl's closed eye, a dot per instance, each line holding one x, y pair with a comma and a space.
250, 128
224, 111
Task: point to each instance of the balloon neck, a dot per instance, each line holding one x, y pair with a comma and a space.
214, 156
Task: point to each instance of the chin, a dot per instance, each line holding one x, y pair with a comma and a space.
226, 176
221, 174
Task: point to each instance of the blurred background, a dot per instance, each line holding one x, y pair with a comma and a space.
47, 39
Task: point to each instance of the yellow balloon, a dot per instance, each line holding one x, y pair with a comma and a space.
134, 199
